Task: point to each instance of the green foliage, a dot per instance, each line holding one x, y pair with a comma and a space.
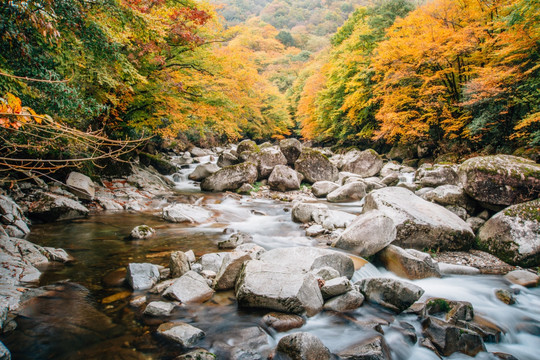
285, 38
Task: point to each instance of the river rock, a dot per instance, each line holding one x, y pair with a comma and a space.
189, 288
450, 195
282, 322
230, 270
335, 287
367, 234
4, 352
351, 192
301, 346
322, 188
179, 264
51, 207
199, 152
305, 259
235, 240
475, 223
315, 230
231, 177
81, 185
268, 159
142, 276
505, 296
242, 344
448, 338
456, 269
326, 273
180, 213
246, 145
364, 163
395, 295
142, 232
203, 171
212, 261
351, 300
159, 308
198, 354
523, 278
513, 235
303, 212
283, 178
278, 287
181, 333
419, 223
162, 166
314, 166
437, 175
411, 264
371, 348
227, 159
58, 255
501, 179
291, 148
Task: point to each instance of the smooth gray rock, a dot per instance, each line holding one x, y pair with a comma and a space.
367, 234
268, 159
81, 185
372, 348
230, 270
411, 264
419, 223
189, 288
395, 295
326, 273
350, 192
142, 232
231, 177
179, 264
159, 308
180, 213
142, 276
455, 269
212, 261
282, 322
227, 159
523, 278
315, 230
437, 175
301, 346
314, 166
332, 219
302, 212
513, 234
51, 207
450, 195
283, 178
291, 148
335, 287
364, 163
235, 240
58, 255
242, 344
322, 188
181, 333
203, 171
351, 300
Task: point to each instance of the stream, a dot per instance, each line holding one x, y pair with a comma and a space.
84, 310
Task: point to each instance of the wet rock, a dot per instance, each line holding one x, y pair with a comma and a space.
351, 192
246, 145
142, 276
189, 288
234, 240
283, 178
291, 148
448, 338
268, 159
157, 162
419, 223
364, 163
4, 352
282, 322
252, 249
230, 270
371, 348
242, 344
58, 255
395, 295
198, 152
451, 311
245, 189
277, 287
390, 180
314, 166
411, 264
231, 177
504, 356
51, 207
301, 346
348, 301
199, 354
505, 296
302, 212
335, 287
142, 232
513, 234
456, 269
227, 159
332, 219
367, 234
159, 308
81, 185
181, 333
179, 264
501, 179
180, 213
212, 261
203, 171
437, 175
523, 278
322, 188
315, 230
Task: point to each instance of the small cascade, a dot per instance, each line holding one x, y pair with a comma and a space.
368, 270
407, 178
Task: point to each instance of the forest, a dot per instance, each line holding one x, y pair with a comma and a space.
86, 79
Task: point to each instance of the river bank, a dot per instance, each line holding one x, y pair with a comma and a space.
266, 216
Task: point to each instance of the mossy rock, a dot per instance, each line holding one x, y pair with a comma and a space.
315, 166
162, 166
247, 145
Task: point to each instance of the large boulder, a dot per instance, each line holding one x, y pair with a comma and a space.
371, 348
351, 300
448, 338
364, 163
189, 288
323, 188
268, 159
395, 295
353, 191
246, 145
411, 264
368, 234
301, 346
450, 195
513, 235
332, 219
157, 162
291, 148
230, 270
52, 207
501, 179
315, 166
227, 159
420, 224
437, 175
203, 171
283, 178
181, 333
231, 177
81, 185
142, 276
179, 264
302, 212
180, 213
278, 287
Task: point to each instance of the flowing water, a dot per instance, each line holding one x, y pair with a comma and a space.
84, 311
